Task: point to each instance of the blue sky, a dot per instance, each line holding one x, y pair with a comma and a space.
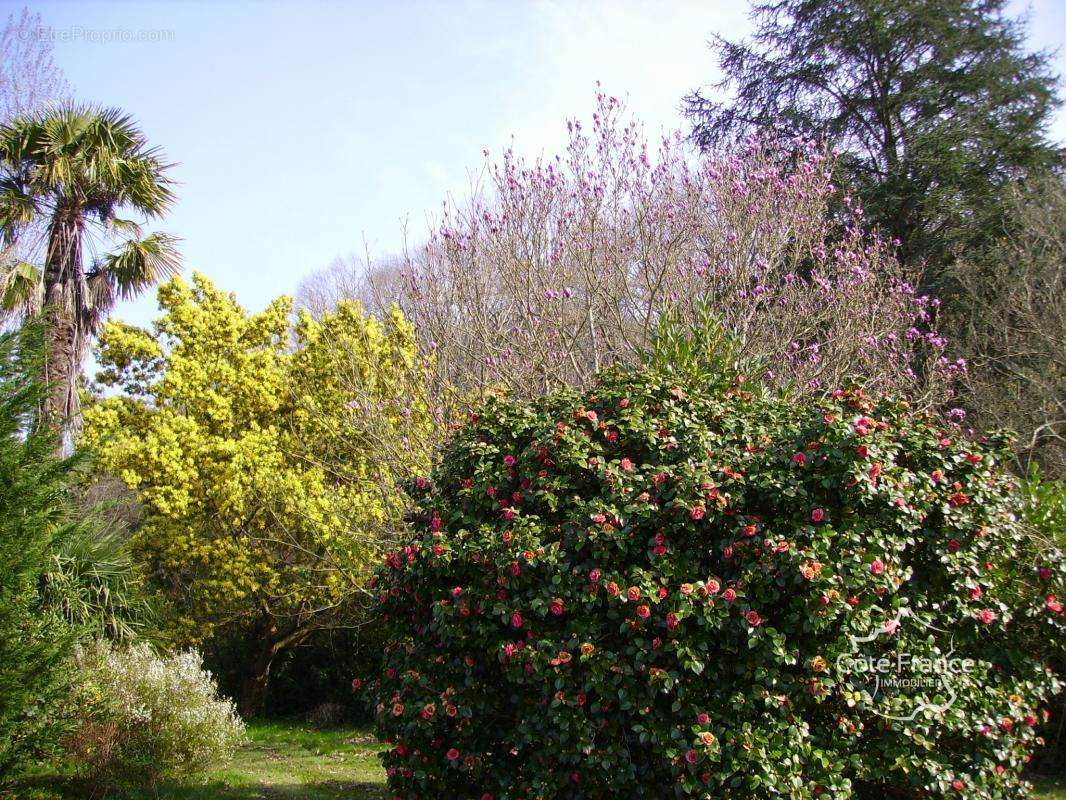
304, 131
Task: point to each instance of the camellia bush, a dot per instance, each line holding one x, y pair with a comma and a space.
670, 586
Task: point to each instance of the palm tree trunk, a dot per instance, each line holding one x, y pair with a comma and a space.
63, 297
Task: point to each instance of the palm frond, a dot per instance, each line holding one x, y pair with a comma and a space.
140, 263
20, 287
125, 227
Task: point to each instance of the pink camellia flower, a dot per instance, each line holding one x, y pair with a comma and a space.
987, 617
891, 626
453, 754
712, 586
671, 620
508, 513
1053, 604
458, 590
817, 515
556, 607
703, 719
627, 465
691, 756
875, 471
799, 459
753, 618
357, 684
958, 785
976, 593
633, 593
643, 611
862, 450
697, 513
516, 620
729, 595
508, 461
623, 403
877, 567
591, 416
595, 576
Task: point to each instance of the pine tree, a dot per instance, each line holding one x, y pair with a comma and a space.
35, 486
937, 108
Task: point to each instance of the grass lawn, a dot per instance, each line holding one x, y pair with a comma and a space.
290, 761
282, 761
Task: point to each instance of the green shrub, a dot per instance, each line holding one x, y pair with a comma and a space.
663, 589
143, 717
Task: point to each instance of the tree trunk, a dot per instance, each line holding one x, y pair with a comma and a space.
269, 642
64, 297
254, 685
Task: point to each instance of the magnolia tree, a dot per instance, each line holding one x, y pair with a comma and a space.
558, 267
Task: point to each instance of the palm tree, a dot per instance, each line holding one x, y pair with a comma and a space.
66, 175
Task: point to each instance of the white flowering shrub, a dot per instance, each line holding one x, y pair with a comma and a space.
143, 716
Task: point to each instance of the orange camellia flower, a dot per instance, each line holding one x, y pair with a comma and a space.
810, 570
587, 649
818, 664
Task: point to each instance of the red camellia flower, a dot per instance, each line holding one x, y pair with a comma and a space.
357, 684
799, 459
817, 515
1053, 604
516, 620
453, 754
697, 513
643, 611
595, 575
875, 471
671, 620
556, 607
509, 461
753, 619
633, 593
691, 756
958, 785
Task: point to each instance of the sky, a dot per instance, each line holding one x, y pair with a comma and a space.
303, 131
